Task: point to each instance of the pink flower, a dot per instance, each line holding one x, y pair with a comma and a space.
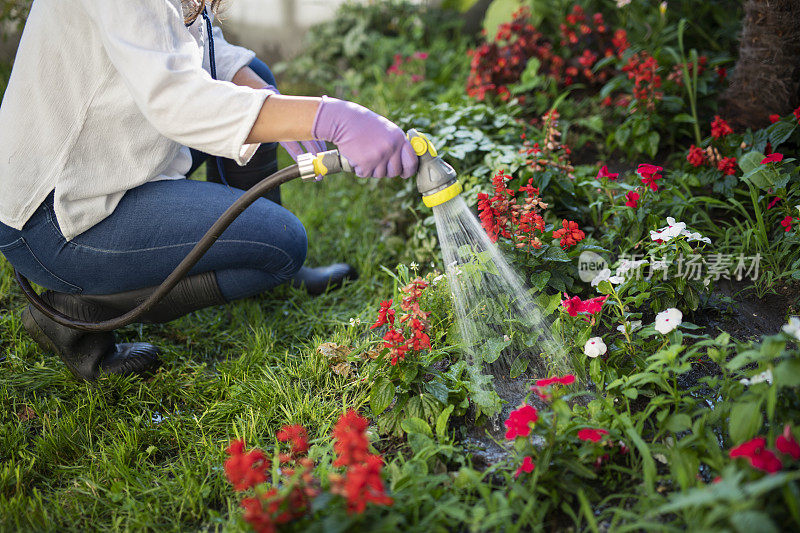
786, 444
649, 174
754, 451
420, 55
574, 305
632, 199
527, 466
594, 435
519, 421
787, 223
772, 158
604, 173
566, 380
773, 202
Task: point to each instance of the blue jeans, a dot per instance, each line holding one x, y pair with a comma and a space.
152, 229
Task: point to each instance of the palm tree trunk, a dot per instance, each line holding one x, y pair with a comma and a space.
766, 79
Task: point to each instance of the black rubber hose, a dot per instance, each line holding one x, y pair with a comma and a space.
202, 246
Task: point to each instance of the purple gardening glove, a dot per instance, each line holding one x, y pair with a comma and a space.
375, 146
296, 148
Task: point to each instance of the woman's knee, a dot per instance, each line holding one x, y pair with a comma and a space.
282, 237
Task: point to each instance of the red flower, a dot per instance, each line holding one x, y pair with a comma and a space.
772, 158
787, 223
697, 156
604, 173
594, 435
385, 315
527, 466
245, 470
727, 165
574, 305
519, 421
350, 440
720, 128
569, 379
649, 174
754, 451
786, 444
774, 118
569, 235
297, 435
796, 113
632, 199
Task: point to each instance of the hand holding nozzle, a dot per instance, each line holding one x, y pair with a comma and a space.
375, 146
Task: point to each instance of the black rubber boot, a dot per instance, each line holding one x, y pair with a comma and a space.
87, 354
265, 162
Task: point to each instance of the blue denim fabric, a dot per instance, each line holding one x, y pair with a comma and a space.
150, 232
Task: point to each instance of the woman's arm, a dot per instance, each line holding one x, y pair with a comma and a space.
282, 118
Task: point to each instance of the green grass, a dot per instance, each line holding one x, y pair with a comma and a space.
123, 454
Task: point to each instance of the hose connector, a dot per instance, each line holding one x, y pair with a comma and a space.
322, 164
436, 180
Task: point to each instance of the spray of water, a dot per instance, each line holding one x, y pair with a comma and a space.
500, 323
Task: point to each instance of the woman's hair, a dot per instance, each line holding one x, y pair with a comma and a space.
193, 8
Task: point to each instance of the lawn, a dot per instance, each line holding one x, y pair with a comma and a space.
654, 227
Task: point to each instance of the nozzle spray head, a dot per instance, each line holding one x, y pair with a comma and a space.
436, 180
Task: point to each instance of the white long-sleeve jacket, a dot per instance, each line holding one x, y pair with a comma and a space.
106, 95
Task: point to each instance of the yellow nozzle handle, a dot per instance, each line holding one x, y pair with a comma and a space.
322, 164
421, 144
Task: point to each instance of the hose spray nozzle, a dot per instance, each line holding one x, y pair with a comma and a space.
436, 180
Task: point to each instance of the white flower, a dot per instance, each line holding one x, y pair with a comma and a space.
674, 229
793, 327
668, 320
605, 275
413, 266
355, 321
636, 324
625, 266
758, 378
594, 347
438, 278
622, 3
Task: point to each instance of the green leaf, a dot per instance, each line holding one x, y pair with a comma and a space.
499, 12
621, 136
683, 117
746, 420
648, 464
381, 395
749, 521
416, 425
678, 422
787, 374
441, 421
519, 366
539, 280
779, 132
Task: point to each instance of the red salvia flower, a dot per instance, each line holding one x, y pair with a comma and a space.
720, 128
594, 435
772, 158
350, 439
385, 315
697, 156
786, 444
245, 470
774, 118
796, 114
632, 199
297, 436
787, 223
519, 421
727, 165
569, 234
527, 466
755, 451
